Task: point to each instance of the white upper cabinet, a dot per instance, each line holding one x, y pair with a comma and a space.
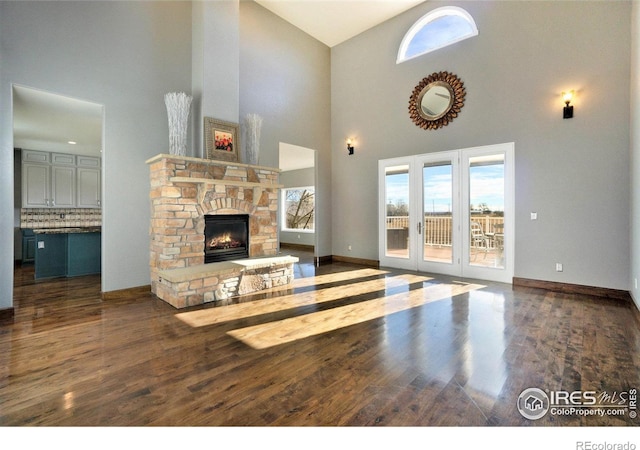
63, 159
63, 186
88, 188
36, 185
88, 161
59, 180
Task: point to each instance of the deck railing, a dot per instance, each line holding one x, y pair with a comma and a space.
437, 229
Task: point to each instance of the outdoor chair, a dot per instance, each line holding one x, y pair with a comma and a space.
479, 240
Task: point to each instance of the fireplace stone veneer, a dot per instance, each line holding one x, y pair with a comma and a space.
183, 191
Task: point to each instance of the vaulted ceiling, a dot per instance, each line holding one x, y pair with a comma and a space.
335, 21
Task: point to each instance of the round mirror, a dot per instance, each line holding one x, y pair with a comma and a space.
436, 100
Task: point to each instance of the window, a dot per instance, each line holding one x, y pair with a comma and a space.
298, 206
436, 29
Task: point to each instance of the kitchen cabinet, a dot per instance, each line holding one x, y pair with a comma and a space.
28, 246
60, 180
36, 185
60, 253
63, 187
51, 255
32, 156
88, 188
63, 159
83, 254
88, 161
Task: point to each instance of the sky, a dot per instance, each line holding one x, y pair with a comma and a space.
438, 33
486, 186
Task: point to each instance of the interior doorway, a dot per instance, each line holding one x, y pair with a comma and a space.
69, 132
296, 221
449, 212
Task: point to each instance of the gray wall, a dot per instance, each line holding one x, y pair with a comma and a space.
573, 173
215, 66
298, 178
285, 78
124, 55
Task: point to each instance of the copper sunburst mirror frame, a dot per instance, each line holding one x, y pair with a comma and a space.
436, 100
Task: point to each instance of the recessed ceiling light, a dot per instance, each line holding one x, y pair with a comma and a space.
72, 142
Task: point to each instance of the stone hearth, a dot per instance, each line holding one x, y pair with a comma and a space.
183, 191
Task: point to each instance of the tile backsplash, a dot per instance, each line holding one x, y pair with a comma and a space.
59, 217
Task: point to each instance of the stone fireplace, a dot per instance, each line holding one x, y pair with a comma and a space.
184, 193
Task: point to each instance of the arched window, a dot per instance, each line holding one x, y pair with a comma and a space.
436, 29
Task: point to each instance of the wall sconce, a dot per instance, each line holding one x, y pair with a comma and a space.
350, 146
567, 111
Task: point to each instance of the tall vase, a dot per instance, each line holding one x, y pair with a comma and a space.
252, 127
178, 110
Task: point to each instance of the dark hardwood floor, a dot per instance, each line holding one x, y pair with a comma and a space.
458, 354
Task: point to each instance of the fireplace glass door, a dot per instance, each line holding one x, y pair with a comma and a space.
226, 237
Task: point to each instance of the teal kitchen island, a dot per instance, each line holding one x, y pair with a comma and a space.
67, 252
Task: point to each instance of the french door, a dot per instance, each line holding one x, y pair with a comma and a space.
449, 212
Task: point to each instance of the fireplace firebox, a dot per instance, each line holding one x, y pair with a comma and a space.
226, 237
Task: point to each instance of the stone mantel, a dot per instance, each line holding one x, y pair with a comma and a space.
161, 156
183, 191
209, 181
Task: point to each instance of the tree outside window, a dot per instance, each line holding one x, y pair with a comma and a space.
298, 208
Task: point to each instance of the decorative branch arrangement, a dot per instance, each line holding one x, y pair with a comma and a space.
178, 110
252, 127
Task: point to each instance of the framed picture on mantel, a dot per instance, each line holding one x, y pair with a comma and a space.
222, 139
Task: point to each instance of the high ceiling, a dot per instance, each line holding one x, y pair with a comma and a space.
331, 22
334, 21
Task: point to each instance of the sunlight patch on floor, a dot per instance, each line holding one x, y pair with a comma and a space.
336, 277
236, 311
300, 327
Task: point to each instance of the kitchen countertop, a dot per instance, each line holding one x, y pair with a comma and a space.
63, 230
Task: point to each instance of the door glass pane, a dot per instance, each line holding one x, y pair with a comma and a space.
437, 181
397, 205
486, 197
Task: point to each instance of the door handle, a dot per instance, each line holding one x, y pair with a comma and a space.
419, 227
